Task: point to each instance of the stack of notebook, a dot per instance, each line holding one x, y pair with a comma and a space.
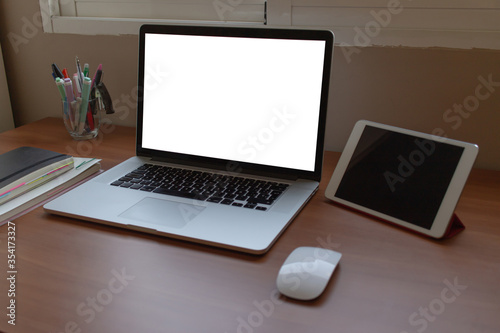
31, 175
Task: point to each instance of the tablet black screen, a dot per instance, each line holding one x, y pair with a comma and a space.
399, 175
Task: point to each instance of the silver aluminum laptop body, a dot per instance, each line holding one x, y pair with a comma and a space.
238, 102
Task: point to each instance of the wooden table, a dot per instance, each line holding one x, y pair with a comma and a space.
75, 276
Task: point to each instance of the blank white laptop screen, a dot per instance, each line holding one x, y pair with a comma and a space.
250, 100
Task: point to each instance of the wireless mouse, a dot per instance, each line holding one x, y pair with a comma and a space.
305, 273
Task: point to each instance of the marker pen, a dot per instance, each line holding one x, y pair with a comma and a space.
85, 103
68, 87
77, 85
57, 71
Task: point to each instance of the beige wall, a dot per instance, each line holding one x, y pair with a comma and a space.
406, 87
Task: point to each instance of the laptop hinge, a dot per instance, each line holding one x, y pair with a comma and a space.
230, 169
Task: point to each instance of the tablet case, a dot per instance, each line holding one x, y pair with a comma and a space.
447, 228
455, 225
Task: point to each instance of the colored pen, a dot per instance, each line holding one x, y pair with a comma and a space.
79, 71
57, 72
77, 85
90, 118
62, 92
69, 95
86, 70
68, 87
85, 103
74, 112
77, 112
65, 73
90, 115
60, 86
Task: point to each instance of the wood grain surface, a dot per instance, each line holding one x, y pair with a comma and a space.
76, 276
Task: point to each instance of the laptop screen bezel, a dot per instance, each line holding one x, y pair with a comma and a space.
227, 165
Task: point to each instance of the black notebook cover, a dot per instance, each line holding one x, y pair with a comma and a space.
23, 161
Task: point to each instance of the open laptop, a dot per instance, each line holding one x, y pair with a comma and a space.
218, 104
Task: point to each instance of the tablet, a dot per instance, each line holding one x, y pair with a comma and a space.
405, 177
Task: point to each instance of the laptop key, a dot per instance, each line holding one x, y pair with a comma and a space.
223, 189
147, 188
125, 179
214, 199
189, 195
260, 201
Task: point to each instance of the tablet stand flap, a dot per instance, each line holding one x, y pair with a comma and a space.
455, 227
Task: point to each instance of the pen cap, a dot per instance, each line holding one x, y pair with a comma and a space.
57, 72
68, 86
86, 88
77, 83
60, 87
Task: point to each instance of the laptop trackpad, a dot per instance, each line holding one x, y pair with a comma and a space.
163, 213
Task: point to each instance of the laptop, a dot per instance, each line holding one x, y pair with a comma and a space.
240, 113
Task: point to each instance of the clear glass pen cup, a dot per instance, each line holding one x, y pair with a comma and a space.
82, 119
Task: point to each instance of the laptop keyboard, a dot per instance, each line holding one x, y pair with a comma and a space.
223, 189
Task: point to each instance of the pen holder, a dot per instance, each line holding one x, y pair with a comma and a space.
83, 122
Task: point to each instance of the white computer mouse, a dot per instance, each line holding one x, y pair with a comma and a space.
306, 272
